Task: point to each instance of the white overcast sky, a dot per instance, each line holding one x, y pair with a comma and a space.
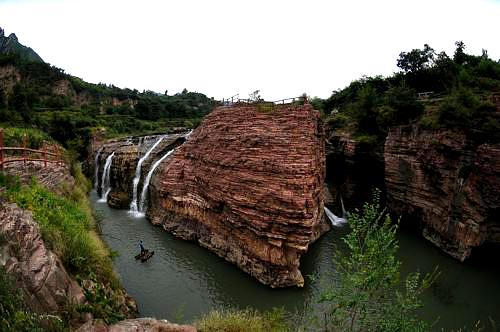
221, 48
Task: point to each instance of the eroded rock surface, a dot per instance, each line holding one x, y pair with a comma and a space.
440, 179
248, 185
39, 272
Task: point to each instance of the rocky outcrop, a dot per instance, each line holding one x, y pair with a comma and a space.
9, 77
37, 271
138, 325
11, 45
441, 180
248, 185
128, 151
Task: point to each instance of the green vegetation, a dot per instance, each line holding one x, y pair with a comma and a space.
34, 138
248, 320
455, 93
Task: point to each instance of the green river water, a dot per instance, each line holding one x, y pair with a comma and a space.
182, 280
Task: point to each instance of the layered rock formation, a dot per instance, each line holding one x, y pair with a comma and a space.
248, 185
37, 271
442, 180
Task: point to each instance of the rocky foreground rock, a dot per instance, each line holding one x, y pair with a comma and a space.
248, 185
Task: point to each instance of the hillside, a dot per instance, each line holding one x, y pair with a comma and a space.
38, 95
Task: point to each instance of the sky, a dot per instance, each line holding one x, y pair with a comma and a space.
227, 47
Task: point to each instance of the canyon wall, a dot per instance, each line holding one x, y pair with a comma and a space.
440, 181
248, 185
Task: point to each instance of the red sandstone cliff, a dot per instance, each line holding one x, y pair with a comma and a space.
248, 185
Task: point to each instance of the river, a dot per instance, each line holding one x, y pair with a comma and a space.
182, 280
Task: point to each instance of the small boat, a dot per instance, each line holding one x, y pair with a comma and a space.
145, 255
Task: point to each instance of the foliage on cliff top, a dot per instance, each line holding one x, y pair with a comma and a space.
460, 94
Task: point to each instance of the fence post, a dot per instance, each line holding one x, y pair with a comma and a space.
44, 154
1, 149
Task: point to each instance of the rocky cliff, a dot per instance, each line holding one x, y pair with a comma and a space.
442, 180
248, 185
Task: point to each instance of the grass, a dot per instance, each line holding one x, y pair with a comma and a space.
248, 320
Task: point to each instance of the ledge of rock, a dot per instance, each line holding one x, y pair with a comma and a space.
248, 185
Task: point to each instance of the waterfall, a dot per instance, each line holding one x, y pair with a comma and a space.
106, 181
96, 168
137, 178
336, 221
344, 214
147, 180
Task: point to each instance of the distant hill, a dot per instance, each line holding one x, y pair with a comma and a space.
10, 45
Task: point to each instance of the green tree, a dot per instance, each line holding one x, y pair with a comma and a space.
416, 59
20, 102
368, 294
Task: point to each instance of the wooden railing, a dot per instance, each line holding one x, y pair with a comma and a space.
25, 154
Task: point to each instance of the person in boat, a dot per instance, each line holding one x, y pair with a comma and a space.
141, 245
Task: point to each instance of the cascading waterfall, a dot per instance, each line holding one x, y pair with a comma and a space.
336, 221
148, 179
106, 181
137, 178
96, 168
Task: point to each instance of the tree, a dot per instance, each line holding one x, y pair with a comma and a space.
255, 96
416, 59
460, 57
366, 294
19, 101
